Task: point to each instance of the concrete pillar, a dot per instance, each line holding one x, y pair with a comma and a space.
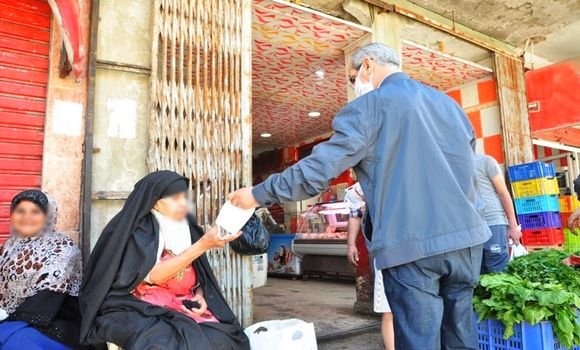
386, 29
63, 134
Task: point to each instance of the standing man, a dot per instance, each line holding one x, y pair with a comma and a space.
354, 197
499, 214
412, 148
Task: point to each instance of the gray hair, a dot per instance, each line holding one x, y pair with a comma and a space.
380, 53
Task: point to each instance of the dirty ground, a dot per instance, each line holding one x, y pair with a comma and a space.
326, 303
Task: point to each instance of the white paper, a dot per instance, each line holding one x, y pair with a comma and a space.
122, 118
232, 218
67, 118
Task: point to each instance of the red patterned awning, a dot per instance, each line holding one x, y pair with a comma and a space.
67, 15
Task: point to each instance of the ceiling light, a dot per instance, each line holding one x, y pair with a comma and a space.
265, 135
320, 73
314, 114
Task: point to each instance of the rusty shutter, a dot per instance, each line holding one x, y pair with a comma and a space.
24, 63
200, 115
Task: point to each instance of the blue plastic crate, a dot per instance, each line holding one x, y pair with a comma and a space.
530, 171
526, 337
540, 220
538, 204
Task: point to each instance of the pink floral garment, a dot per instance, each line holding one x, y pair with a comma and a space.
172, 292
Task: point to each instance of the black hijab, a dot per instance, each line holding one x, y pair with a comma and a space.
35, 196
124, 254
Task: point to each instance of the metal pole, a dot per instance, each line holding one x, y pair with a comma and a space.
86, 190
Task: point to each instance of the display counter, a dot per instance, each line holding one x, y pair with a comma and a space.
322, 240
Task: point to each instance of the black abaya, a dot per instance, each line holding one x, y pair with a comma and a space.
123, 256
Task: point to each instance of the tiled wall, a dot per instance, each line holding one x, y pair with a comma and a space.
479, 100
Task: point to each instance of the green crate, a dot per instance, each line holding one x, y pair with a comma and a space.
572, 241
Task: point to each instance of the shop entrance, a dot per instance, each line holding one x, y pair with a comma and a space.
299, 84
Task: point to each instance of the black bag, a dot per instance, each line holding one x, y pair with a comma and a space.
254, 240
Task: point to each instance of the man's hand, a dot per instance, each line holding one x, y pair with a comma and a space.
243, 198
352, 254
515, 234
574, 220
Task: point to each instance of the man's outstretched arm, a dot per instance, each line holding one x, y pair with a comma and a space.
310, 176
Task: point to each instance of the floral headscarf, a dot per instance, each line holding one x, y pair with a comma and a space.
47, 261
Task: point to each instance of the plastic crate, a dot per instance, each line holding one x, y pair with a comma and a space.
537, 248
530, 205
543, 237
530, 171
572, 242
526, 337
535, 187
569, 203
564, 218
540, 220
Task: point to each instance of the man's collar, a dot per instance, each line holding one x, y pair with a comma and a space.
393, 77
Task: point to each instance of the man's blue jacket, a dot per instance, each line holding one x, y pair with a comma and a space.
412, 148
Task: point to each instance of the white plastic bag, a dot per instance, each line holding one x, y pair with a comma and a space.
517, 250
232, 218
291, 334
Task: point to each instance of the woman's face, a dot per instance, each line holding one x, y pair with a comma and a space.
27, 219
173, 207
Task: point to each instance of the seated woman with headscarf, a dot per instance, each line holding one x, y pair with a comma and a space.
148, 283
39, 279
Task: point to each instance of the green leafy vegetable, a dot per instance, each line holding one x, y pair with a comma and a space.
536, 288
546, 266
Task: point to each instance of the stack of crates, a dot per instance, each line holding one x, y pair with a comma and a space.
571, 239
536, 191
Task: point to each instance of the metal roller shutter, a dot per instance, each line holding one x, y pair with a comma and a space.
24, 65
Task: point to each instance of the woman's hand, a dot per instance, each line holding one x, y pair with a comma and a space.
213, 239
202, 308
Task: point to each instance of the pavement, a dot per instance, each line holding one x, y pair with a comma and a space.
326, 303
365, 341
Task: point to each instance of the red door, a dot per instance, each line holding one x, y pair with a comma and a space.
24, 64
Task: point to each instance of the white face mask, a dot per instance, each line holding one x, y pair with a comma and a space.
361, 88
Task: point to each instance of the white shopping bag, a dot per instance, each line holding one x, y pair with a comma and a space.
517, 250
291, 334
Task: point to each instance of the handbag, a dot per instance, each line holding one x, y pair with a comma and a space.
255, 239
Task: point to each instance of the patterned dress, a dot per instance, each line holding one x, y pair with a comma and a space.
171, 293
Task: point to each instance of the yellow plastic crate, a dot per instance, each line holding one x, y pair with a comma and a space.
568, 204
535, 187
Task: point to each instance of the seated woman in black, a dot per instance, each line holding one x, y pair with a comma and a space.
148, 283
39, 279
